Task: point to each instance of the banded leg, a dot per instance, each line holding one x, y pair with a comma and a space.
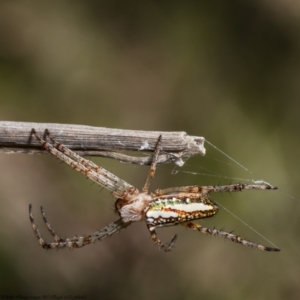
74, 242
61, 147
227, 235
48, 225
152, 170
157, 241
238, 187
88, 168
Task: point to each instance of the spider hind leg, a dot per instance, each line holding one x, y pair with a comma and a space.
228, 235
166, 247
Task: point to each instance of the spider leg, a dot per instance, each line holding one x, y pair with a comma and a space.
85, 162
152, 170
209, 189
237, 187
88, 168
75, 242
227, 235
48, 225
157, 241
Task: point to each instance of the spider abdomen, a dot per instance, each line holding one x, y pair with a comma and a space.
170, 210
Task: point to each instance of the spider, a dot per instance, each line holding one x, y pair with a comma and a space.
166, 207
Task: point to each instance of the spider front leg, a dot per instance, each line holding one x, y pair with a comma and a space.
74, 242
227, 235
88, 168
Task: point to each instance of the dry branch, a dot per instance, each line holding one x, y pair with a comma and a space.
15, 137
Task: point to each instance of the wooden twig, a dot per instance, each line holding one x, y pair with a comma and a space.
15, 137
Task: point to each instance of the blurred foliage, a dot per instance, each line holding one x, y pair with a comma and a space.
226, 70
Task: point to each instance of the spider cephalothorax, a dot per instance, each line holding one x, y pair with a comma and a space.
166, 207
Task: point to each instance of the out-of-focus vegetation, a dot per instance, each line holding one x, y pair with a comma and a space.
227, 70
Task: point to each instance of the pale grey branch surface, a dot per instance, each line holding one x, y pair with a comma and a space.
15, 137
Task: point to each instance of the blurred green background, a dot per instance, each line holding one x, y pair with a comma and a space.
225, 70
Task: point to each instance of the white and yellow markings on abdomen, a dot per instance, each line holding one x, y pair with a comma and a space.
170, 210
